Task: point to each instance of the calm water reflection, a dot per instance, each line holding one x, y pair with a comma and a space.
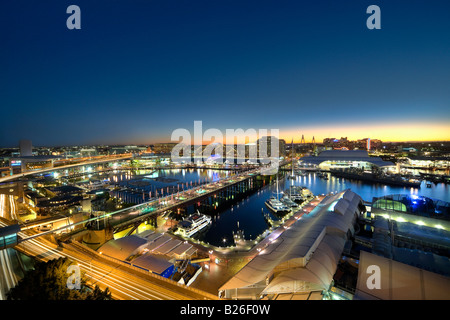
248, 216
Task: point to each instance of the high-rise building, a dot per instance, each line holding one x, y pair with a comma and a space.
268, 141
26, 149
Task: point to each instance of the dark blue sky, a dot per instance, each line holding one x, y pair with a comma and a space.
137, 70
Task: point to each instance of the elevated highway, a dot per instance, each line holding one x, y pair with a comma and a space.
67, 166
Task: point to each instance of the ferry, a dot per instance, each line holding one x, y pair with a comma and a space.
193, 224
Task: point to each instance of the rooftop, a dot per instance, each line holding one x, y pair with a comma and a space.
122, 248
152, 263
308, 251
345, 155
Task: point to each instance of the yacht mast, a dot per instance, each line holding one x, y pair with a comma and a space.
277, 186
292, 157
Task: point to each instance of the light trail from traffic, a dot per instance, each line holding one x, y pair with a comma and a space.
2, 205
12, 208
122, 285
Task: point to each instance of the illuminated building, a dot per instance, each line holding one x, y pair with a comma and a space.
268, 144
31, 163
338, 159
410, 245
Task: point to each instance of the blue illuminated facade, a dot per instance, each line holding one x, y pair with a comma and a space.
413, 204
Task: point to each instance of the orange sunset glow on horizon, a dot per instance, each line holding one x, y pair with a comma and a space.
393, 132
387, 132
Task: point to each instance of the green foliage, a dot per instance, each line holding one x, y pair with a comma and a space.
48, 281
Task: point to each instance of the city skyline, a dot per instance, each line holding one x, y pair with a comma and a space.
239, 151
137, 71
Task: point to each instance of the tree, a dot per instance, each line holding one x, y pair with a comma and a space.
48, 281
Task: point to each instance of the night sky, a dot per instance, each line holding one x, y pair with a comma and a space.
137, 70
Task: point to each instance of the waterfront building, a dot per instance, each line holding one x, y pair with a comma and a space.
399, 281
340, 159
426, 162
412, 260
155, 264
413, 208
31, 163
301, 261
413, 230
410, 244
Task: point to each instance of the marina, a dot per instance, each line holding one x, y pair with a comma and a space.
248, 213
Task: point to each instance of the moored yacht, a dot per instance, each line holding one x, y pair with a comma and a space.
295, 193
288, 202
292, 175
277, 206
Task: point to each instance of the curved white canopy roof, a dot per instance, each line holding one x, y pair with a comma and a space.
308, 251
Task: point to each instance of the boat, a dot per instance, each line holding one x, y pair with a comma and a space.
295, 193
193, 224
288, 202
321, 174
277, 206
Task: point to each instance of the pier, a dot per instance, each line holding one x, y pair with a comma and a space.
203, 197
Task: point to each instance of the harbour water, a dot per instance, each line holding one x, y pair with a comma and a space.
247, 214
369, 190
141, 185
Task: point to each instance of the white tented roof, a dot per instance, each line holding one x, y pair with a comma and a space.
310, 248
316, 275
